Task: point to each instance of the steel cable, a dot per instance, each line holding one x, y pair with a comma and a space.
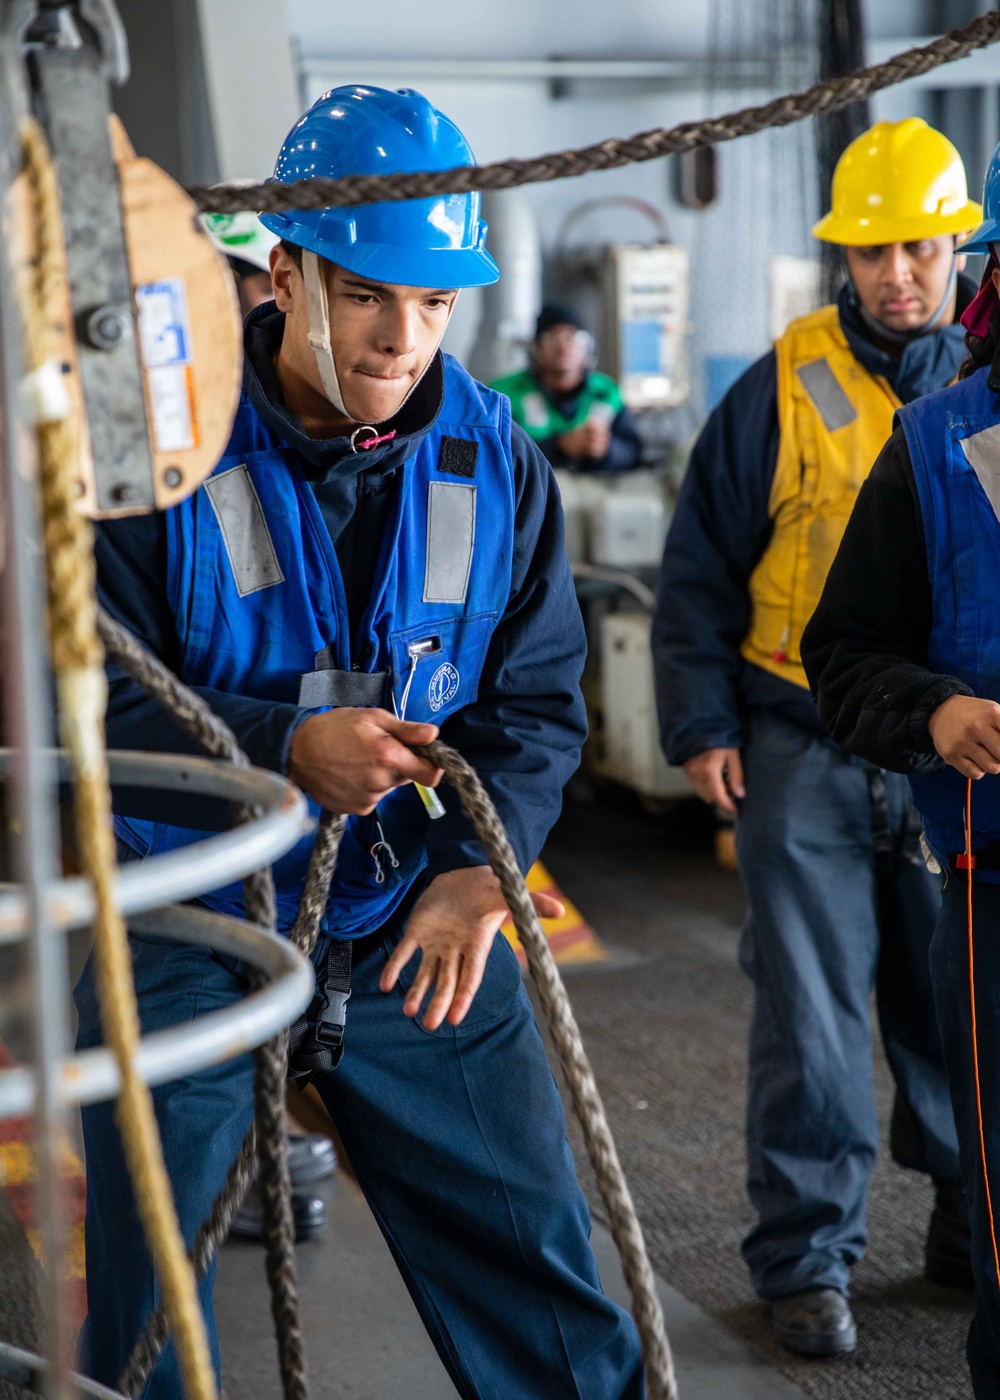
822, 98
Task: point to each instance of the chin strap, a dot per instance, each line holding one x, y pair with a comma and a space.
319, 329
318, 307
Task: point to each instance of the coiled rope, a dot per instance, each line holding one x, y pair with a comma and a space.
199, 721
823, 97
78, 663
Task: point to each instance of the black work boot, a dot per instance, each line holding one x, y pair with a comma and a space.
947, 1258
308, 1212
311, 1158
816, 1322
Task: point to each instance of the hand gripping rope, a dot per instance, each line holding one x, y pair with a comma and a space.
194, 715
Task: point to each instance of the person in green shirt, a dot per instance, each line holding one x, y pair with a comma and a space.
577, 416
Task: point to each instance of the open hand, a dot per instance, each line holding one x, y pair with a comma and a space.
453, 925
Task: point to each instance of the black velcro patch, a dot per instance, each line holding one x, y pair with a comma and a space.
458, 456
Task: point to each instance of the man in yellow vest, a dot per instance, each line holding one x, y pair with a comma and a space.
828, 845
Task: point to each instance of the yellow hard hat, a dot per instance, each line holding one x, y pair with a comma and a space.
898, 182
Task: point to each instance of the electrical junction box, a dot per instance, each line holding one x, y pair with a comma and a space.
631, 740
647, 299
618, 521
628, 521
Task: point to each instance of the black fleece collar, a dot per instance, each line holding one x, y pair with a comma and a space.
927, 363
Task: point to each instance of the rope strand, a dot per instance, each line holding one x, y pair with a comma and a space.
822, 98
77, 660
969, 863
625, 1227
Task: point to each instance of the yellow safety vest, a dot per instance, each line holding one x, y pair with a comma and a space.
834, 418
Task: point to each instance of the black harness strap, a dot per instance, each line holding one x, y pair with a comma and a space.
316, 1041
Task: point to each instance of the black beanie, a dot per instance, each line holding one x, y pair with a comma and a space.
552, 314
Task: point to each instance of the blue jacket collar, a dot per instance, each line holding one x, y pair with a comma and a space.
927, 363
326, 458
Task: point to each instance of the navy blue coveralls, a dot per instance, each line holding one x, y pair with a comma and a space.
829, 912
457, 1136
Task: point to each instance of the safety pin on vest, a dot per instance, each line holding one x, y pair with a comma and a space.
426, 646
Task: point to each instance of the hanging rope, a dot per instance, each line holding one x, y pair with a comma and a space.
78, 662
822, 98
198, 720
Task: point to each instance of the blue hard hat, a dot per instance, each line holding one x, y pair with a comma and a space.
989, 230
434, 242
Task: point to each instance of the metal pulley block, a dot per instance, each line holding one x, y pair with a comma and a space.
151, 344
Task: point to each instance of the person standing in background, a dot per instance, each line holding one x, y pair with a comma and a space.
828, 845
902, 654
577, 416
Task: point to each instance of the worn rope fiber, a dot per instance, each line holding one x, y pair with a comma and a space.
78, 663
625, 1228
660, 1381
823, 97
215, 736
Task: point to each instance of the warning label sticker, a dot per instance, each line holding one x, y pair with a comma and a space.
163, 322
165, 337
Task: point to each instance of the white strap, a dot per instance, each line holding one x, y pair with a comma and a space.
319, 329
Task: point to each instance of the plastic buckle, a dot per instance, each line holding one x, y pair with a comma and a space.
965, 862
330, 1026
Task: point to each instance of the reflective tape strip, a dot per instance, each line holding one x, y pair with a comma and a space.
829, 399
451, 533
981, 452
248, 540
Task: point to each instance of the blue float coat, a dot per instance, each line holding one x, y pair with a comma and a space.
523, 732
722, 527
951, 439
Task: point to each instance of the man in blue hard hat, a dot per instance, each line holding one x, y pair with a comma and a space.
904, 659
378, 558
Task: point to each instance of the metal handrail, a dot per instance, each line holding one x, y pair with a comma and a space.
24, 1368
180, 874
92, 1075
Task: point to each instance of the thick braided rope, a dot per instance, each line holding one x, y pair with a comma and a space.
565, 1033
562, 1024
824, 97
217, 738
78, 665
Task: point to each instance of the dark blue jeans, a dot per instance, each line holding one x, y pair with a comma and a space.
458, 1140
824, 926
950, 969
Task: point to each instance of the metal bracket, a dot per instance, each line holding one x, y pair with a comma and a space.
71, 93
